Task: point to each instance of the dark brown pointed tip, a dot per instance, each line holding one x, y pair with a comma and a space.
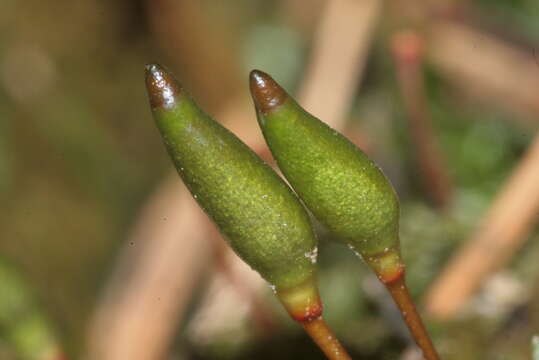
162, 87
267, 94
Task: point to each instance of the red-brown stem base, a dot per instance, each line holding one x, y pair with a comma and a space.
301, 301
322, 335
398, 290
303, 304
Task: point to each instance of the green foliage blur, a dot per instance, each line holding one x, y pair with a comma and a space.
79, 155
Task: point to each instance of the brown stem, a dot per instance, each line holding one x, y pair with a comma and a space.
398, 290
322, 335
501, 233
304, 306
408, 53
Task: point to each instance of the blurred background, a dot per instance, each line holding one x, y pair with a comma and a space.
103, 255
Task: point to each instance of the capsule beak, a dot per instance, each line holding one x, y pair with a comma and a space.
163, 89
266, 93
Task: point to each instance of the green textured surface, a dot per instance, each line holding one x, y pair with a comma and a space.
343, 188
259, 215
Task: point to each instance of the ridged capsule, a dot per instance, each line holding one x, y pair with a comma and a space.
343, 188
259, 215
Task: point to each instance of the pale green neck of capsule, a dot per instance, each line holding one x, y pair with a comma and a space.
343, 188
303, 301
259, 215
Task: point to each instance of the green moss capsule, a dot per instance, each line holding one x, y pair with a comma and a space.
343, 188
258, 213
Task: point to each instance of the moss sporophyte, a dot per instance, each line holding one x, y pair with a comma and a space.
258, 214
342, 187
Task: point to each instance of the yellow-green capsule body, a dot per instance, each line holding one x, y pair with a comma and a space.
342, 187
260, 216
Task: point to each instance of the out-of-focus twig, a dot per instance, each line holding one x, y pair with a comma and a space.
408, 48
500, 234
134, 323
338, 59
485, 66
200, 47
225, 262
303, 19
